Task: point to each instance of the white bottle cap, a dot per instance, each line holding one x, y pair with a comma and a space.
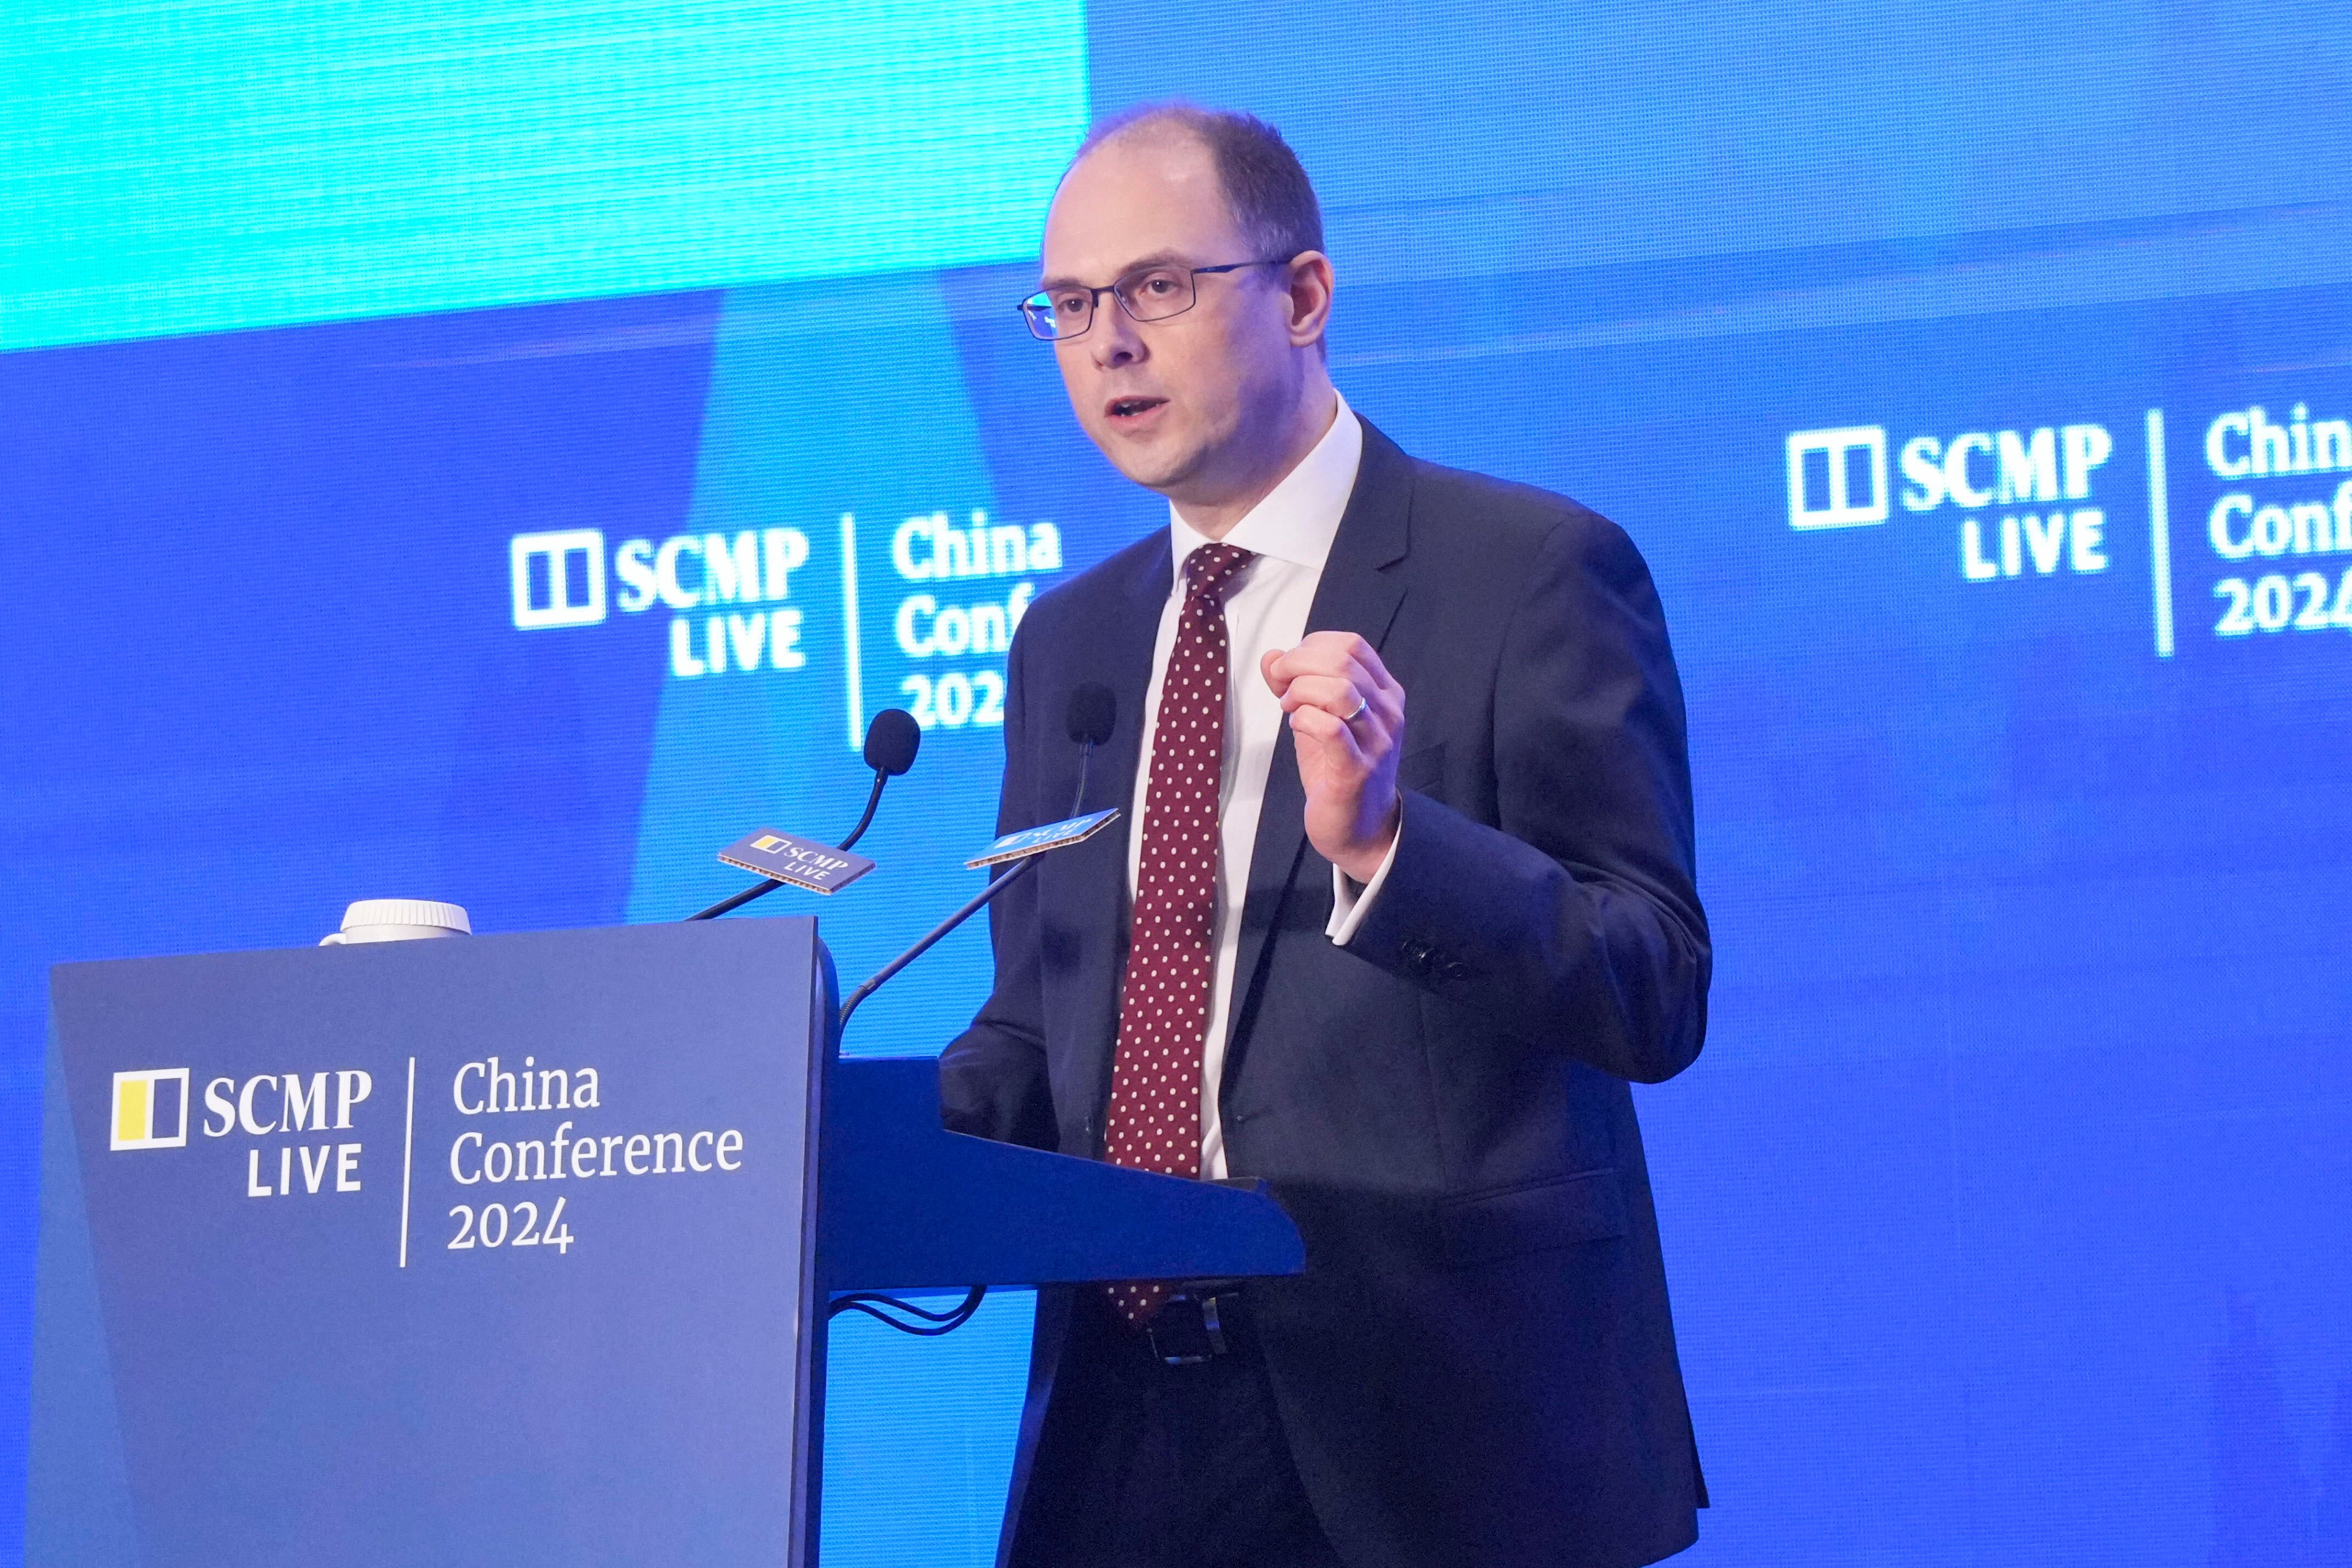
406, 913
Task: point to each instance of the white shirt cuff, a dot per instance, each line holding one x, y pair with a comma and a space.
1350, 902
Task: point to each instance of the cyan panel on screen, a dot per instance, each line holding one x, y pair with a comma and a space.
256, 163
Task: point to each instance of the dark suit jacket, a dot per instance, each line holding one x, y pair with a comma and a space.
1478, 1366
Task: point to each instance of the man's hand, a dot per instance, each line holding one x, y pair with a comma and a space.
1346, 718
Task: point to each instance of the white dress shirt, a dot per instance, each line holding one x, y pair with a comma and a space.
1290, 531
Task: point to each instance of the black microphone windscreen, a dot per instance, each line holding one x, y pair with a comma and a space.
891, 741
1094, 713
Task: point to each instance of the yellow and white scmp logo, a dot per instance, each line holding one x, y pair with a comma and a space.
151, 1108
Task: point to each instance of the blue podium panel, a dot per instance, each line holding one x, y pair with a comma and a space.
908, 1205
491, 1249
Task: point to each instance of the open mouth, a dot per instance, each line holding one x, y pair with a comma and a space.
1123, 410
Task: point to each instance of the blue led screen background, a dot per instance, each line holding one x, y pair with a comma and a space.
505, 462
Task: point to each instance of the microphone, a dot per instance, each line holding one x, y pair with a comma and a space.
891, 741
1092, 715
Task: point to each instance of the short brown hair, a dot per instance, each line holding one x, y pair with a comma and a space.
1266, 188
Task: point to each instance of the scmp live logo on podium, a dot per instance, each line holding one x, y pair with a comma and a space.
149, 1110
145, 1102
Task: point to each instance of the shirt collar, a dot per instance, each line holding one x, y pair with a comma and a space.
1299, 517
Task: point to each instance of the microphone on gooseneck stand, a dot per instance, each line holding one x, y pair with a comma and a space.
1089, 721
1093, 714
891, 743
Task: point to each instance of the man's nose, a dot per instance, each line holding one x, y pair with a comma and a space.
1117, 342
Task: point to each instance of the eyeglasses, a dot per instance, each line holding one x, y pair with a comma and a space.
1146, 294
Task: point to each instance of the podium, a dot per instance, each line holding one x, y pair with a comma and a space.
509, 1249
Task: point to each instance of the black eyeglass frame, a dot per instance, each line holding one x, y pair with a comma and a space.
1093, 296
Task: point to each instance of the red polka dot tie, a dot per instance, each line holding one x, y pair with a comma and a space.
1154, 1120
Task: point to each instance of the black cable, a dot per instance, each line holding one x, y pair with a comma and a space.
865, 820
1078, 796
759, 890
934, 1324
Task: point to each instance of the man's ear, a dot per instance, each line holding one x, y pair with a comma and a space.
1308, 281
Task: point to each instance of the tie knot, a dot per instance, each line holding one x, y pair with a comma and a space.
1209, 570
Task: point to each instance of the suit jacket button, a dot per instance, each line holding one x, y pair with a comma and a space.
1416, 957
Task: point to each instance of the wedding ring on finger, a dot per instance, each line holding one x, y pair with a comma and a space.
1362, 702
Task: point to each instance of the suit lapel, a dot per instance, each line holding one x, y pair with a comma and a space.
1112, 645
1362, 584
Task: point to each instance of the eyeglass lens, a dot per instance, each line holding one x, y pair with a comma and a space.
1146, 294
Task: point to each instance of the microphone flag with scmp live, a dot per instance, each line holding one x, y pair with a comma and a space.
800, 862
1037, 840
786, 860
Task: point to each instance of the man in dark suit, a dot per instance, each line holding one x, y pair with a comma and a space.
1403, 899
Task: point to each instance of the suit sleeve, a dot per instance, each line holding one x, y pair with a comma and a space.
1574, 924
992, 1077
